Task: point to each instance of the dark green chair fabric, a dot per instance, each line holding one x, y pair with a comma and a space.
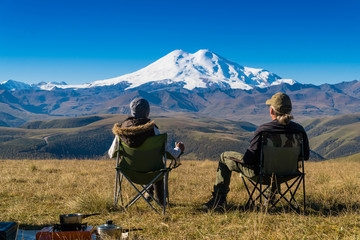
143, 166
143, 163
281, 162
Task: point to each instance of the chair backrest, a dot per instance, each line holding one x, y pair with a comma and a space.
281, 153
148, 157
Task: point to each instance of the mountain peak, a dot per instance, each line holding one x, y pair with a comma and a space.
14, 85
204, 52
202, 69
177, 52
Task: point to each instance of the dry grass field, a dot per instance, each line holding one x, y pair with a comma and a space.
35, 192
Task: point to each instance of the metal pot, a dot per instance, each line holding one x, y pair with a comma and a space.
74, 218
109, 231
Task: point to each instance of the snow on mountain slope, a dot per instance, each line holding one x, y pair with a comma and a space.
202, 69
14, 85
51, 85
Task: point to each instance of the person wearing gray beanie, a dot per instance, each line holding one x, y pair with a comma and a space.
140, 108
134, 130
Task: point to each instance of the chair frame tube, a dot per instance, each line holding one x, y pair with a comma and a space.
119, 178
257, 185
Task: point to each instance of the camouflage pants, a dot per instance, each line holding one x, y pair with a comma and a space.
229, 162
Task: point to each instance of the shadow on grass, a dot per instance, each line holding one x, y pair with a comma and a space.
313, 207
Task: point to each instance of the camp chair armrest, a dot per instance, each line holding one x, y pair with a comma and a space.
175, 162
170, 156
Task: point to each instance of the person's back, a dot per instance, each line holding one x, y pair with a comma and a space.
248, 163
134, 130
252, 154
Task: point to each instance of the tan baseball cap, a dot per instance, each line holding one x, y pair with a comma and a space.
281, 102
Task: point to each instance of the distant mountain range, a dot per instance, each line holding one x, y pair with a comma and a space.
203, 69
90, 136
202, 83
334, 137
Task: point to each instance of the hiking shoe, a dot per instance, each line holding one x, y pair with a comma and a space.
215, 203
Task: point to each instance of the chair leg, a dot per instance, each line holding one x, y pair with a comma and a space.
292, 202
116, 189
165, 193
247, 189
260, 189
300, 179
292, 194
251, 201
167, 188
303, 179
139, 195
257, 186
118, 180
120, 190
142, 192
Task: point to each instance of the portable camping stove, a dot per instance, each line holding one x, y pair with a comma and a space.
66, 232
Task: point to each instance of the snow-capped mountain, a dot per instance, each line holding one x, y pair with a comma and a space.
51, 85
15, 85
203, 69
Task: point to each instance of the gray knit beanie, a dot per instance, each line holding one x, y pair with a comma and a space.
139, 108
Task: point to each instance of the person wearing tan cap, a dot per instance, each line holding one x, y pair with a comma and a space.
248, 164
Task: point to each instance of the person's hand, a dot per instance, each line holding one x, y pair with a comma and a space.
181, 146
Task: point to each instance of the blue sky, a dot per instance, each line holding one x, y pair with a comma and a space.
81, 41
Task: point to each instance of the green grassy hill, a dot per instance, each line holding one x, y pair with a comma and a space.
204, 137
335, 136
63, 123
90, 137
351, 158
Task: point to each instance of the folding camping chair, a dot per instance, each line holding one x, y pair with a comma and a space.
143, 166
280, 160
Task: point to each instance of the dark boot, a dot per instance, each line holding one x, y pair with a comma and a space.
217, 202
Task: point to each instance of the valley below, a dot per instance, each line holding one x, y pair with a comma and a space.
205, 138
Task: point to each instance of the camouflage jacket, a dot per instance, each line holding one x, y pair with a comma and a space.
252, 154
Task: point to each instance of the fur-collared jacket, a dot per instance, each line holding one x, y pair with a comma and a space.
133, 132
